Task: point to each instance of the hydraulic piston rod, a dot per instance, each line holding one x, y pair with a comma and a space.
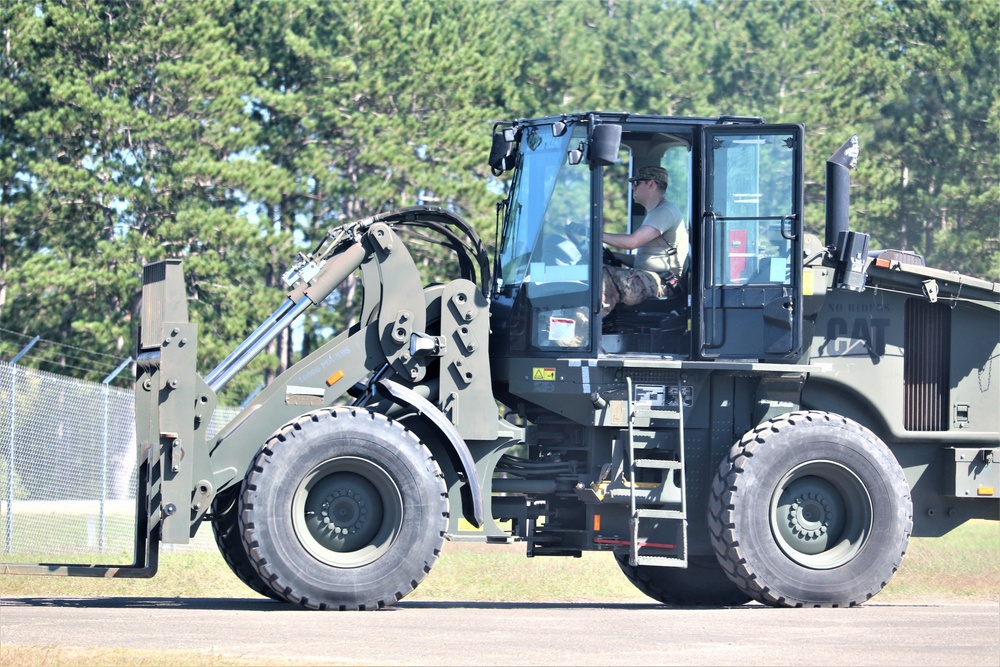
260, 333
333, 272
252, 346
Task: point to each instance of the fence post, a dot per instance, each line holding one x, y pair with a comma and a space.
10, 444
104, 454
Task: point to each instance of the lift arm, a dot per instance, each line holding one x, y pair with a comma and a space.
430, 346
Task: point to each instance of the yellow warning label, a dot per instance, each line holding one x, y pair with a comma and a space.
548, 374
808, 284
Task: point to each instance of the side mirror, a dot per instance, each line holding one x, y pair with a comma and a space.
502, 152
605, 141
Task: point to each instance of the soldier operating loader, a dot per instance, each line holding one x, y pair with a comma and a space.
776, 430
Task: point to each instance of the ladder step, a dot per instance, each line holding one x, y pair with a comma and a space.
645, 548
664, 415
643, 513
660, 561
658, 463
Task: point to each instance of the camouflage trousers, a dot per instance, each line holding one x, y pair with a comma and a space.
627, 286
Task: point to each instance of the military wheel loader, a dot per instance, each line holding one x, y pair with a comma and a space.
776, 431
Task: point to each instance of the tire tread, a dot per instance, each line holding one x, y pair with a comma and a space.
258, 470
722, 527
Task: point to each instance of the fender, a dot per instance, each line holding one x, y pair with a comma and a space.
459, 451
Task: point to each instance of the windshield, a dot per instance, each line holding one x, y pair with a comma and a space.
547, 195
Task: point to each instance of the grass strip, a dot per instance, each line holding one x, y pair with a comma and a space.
960, 566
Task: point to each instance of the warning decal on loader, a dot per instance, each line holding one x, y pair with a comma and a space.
548, 374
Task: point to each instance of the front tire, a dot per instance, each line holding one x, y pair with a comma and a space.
810, 509
226, 528
343, 509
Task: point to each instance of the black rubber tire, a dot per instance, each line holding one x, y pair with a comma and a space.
343, 509
810, 509
226, 528
703, 583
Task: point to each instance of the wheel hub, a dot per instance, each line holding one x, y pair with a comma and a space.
347, 512
810, 515
344, 512
821, 514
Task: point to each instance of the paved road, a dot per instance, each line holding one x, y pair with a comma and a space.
467, 633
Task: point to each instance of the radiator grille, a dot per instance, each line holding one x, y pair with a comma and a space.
926, 362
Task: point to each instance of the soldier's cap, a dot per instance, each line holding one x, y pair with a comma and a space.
658, 174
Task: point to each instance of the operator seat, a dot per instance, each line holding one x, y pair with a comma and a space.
656, 325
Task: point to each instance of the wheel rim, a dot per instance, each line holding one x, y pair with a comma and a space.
347, 512
821, 514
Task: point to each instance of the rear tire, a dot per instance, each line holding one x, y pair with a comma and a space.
702, 584
810, 509
343, 509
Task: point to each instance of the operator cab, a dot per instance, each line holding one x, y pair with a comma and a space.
738, 185
657, 324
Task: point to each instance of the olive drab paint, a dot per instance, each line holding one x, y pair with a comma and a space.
775, 428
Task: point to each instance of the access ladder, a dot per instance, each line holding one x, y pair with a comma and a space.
641, 552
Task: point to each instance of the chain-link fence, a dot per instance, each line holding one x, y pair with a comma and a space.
67, 469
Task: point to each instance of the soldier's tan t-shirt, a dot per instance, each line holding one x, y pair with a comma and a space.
668, 252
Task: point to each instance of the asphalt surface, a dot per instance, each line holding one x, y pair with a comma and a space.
474, 633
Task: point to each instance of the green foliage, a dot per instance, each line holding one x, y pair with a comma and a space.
933, 178
127, 154
229, 133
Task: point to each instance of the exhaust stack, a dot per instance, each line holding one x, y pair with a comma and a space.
849, 249
838, 190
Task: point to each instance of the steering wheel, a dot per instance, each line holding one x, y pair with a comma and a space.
608, 257
576, 231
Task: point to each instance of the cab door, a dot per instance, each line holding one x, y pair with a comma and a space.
750, 267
